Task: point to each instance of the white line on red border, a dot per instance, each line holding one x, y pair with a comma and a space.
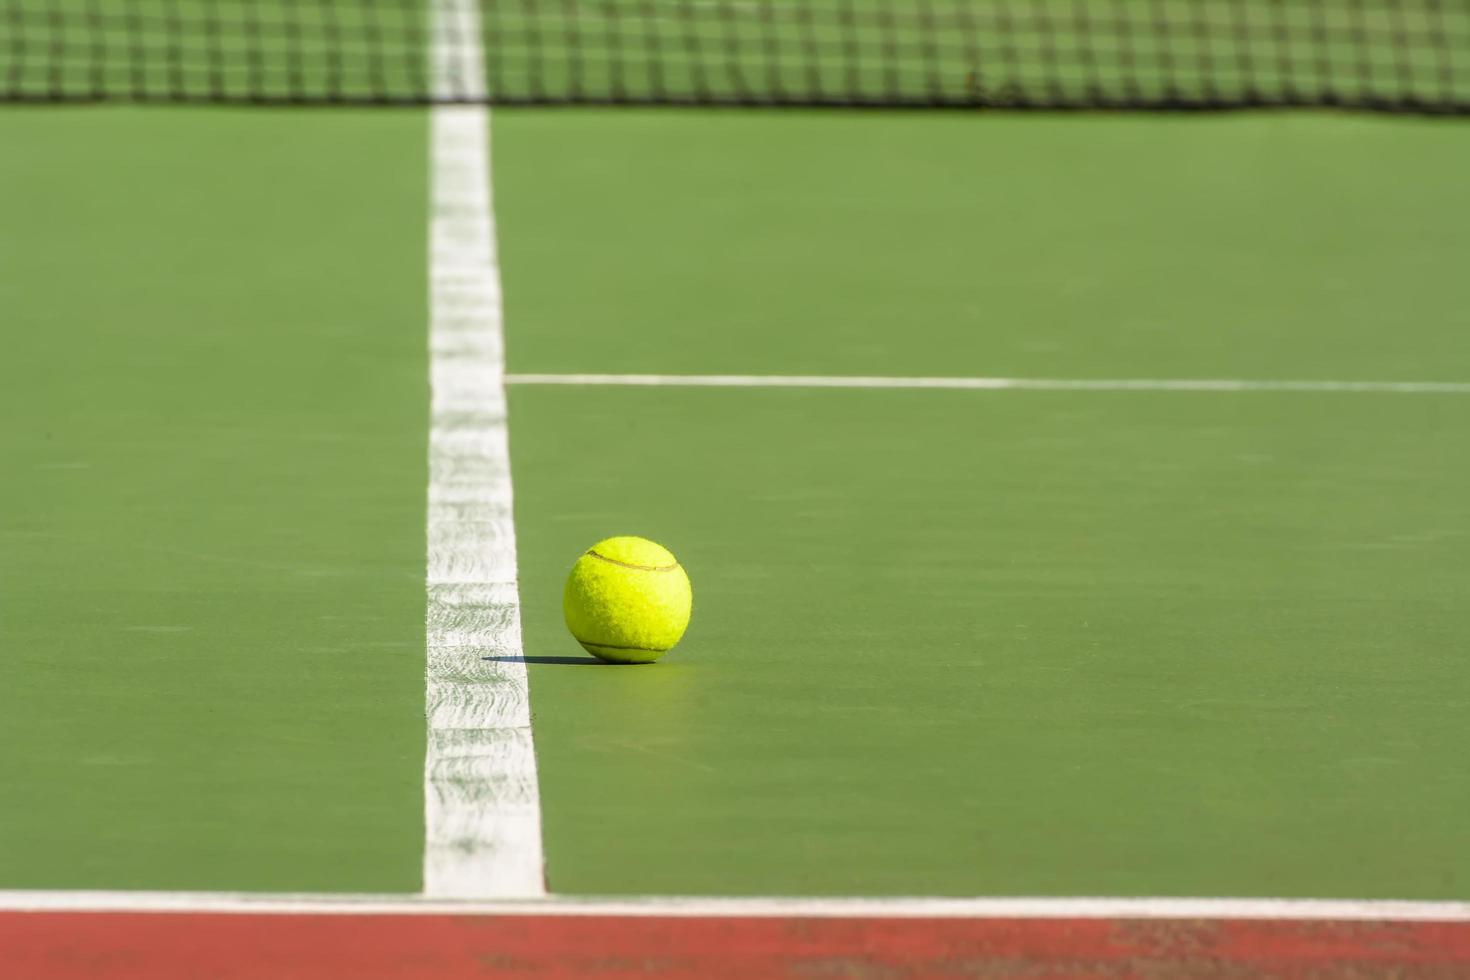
560, 905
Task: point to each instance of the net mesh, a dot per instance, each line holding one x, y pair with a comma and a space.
1407, 55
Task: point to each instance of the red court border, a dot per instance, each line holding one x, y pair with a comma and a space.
122, 945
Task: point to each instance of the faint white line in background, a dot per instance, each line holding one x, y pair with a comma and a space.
482, 810
1303, 909
988, 384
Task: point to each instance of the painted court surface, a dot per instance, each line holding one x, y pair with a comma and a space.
1147, 642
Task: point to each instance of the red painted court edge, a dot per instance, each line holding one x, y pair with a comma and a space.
233, 946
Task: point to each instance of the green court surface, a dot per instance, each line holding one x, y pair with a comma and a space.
1257, 246
944, 643
1041, 643
213, 426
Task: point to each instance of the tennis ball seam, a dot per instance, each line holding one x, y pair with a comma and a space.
628, 564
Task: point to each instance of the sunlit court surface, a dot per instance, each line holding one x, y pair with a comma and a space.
1060, 411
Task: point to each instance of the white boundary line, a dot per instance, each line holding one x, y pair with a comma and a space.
899, 908
989, 384
482, 811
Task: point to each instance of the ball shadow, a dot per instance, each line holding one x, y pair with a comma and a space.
568, 661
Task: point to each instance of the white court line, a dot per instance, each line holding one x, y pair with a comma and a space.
482, 810
897, 908
988, 384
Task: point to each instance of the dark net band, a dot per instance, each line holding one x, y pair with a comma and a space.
1407, 55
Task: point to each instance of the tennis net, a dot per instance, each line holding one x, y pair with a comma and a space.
1394, 55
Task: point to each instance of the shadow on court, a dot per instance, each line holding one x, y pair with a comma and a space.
569, 661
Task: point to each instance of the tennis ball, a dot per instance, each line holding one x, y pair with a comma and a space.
627, 600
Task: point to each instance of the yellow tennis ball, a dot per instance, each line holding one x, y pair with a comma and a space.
627, 600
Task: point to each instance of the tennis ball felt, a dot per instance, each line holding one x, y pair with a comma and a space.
627, 600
